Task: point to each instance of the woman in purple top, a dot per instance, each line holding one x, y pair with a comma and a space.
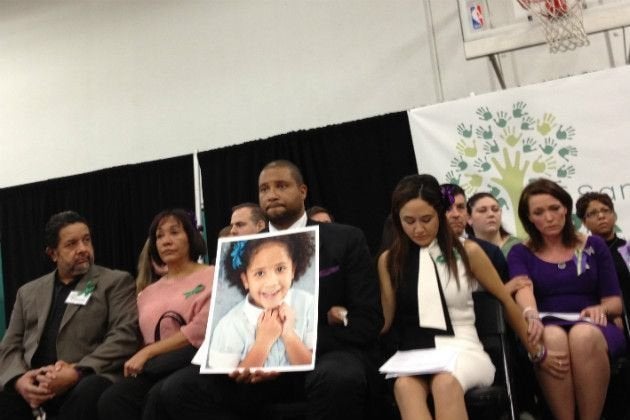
570, 273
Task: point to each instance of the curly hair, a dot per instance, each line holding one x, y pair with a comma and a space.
582, 203
300, 247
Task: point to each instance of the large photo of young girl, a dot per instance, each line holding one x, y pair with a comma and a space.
263, 310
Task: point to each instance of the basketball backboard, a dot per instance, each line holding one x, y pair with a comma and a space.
496, 26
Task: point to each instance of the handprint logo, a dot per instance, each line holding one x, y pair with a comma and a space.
510, 137
529, 145
567, 151
482, 133
526, 146
484, 113
528, 123
549, 147
545, 125
518, 109
468, 151
502, 119
566, 171
542, 166
463, 131
567, 134
482, 164
459, 163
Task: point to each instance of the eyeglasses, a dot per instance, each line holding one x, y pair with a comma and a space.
605, 211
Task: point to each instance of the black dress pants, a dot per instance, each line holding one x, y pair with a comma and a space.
78, 403
336, 389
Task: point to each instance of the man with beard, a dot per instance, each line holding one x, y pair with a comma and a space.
70, 331
349, 321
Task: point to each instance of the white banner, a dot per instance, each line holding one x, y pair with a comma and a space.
575, 131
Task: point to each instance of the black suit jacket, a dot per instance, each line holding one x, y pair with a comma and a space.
347, 277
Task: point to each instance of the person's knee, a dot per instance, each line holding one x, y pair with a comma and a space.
587, 339
445, 386
405, 384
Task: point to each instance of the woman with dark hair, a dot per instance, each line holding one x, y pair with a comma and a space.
571, 274
432, 275
172, 315
484, 222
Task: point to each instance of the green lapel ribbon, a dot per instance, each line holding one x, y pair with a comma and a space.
198, 289
89, 288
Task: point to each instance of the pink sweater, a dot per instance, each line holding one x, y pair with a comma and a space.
189, 296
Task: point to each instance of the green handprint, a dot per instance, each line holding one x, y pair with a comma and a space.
475, 180
459, 163
518, 108
491, 147
550, 146
502, 119
566, 171
467, 150
529, 145
547, 123
482, 164
484, 134
509, 135
484, 113
565, 134
567, 151
452, 179
539, 166
496, 192
528, 123
463, 131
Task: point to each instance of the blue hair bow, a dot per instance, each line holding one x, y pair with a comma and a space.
237, 254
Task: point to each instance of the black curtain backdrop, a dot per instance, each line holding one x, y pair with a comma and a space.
351, 169
119, 203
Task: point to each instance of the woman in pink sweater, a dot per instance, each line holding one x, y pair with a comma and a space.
172, 312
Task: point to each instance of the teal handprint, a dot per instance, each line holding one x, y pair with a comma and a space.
502, 119
463, 131
549, 147
567, 134
484, 134
539, 166
495, 191
491, 147
527, 123
529, 145
567, 151
484, 113
566, 171
547, 123
482, 164
459, 163
518, 108
510, 137
452, 179
468, 151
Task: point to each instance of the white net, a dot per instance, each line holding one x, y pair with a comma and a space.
562, 22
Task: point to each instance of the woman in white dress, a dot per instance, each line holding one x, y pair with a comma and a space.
427, 277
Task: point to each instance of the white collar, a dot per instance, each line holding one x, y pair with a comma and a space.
300, 223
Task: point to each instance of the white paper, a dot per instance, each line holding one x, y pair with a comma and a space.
419, 362
77, 298
567, 316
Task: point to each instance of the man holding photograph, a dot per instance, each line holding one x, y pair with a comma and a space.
349, 321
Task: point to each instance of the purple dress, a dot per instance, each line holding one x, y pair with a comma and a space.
573, 285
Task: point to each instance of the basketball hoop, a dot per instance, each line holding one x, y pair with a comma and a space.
562, 22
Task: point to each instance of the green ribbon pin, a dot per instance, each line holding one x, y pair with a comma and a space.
198, 289
89, 288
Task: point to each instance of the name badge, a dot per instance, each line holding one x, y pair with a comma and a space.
78, 298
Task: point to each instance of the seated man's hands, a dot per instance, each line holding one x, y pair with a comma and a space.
34, 393
248, 376
58, 378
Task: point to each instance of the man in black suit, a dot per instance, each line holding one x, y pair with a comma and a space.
350, 319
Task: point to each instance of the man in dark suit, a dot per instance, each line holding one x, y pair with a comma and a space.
350, 319
70, 331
